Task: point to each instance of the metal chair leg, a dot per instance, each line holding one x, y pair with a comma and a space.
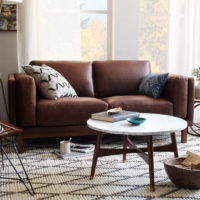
31, 192
27, 177
2, 155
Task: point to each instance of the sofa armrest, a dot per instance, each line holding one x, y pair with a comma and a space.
26, 100
191, 95
12, 99
176, 91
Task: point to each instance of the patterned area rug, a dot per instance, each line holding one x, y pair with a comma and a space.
54, 178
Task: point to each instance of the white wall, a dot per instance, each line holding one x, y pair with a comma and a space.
125, 20
8, 62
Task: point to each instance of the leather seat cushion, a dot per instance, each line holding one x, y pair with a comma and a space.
68, 111
141, 103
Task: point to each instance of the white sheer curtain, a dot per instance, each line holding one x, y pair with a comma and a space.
184, 36
50, 29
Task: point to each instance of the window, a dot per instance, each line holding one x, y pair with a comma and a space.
96, 29
65, 30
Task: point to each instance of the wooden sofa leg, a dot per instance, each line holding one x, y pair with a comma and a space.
184, 135
20, 143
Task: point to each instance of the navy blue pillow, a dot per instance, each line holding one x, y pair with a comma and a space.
152, 85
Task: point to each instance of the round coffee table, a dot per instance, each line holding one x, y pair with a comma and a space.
155, 124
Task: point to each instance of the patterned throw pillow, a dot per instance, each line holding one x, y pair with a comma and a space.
152, 85
51, 83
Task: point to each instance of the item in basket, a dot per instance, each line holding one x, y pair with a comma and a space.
192, 160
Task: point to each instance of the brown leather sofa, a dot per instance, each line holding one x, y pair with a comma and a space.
100, 85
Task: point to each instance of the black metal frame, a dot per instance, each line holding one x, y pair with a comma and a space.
10, 143
196, 132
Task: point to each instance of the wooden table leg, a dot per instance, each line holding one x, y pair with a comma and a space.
184, 135
20, 142
96, 152
151, 162
174, 144
125, 137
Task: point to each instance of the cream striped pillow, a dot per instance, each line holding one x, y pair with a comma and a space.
50, 82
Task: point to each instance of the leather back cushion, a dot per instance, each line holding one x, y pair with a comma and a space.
79, 74
112, 78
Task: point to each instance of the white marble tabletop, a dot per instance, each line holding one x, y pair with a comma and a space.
155, 124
